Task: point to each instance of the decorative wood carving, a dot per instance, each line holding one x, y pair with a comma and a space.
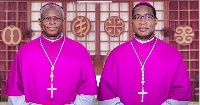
184, 35
81, 26
114, 26
11, 35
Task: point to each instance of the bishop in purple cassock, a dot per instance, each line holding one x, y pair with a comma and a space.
30, 72
144, 70
166, 76
52, 69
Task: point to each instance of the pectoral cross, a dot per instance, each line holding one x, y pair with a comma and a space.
52, 89
51, 76
142, 94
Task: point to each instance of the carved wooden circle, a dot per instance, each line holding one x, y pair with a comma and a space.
184, 35
114, 26
11, 35
81, 26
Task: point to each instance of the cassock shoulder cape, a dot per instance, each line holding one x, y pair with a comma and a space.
30, 72
165, 74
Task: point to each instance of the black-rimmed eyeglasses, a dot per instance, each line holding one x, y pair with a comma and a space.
138, 17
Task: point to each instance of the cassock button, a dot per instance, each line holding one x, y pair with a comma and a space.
140, 75
141, 48
51, 47
139, 98
52, 53
141, 55
140, 83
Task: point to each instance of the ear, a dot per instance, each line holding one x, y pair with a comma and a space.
132, 21
156, 21
63, 21
39, 21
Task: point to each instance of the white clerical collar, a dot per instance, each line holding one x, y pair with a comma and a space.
144, 41
61, 34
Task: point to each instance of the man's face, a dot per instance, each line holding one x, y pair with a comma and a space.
51, 21
144, 22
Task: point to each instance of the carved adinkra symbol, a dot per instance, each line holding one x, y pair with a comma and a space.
81, 26
184, 35
11, 35
114, 26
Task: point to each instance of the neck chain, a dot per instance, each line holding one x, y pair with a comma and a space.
142, 65
52, 65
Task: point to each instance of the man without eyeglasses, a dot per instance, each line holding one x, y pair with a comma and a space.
144, 70
52, 69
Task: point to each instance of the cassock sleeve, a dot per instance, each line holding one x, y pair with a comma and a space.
14, 85
88, 84
83, 100
114, 101
175, 102
181, 88
108, 82
18, 100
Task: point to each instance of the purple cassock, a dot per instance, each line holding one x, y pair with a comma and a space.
31, 69
165, 74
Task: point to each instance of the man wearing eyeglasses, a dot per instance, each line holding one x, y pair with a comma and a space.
52, 69
144, 70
